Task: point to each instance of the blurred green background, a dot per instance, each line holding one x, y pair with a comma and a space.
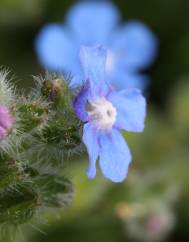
152, 204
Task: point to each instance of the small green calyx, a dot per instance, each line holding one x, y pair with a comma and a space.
32, 115
57, 91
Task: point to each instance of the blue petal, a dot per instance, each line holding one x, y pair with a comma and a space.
92, 22
56, 50
122, 79
91, 142
80, 104
115, 156
131, 109
76, 79
93, 61
135, 46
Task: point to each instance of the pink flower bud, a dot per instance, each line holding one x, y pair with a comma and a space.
6, 121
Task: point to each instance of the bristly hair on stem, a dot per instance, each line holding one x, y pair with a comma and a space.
45, 133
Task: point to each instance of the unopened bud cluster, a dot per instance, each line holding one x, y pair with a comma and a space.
38, 132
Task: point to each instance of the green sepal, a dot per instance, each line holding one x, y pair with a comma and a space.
58, 92
32, 115
18, 204
11, 171
56, 190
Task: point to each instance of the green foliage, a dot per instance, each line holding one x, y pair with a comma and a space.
44, 135
56, 190
18, 203
9, 173
32, 115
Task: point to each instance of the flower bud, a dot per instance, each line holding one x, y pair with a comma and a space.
57, 91
6, 121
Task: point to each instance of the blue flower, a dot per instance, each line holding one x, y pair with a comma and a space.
131, 47
106, 112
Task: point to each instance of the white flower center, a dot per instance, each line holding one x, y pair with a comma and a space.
102, 113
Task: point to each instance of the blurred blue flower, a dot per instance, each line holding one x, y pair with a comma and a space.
131, 47
105, 112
